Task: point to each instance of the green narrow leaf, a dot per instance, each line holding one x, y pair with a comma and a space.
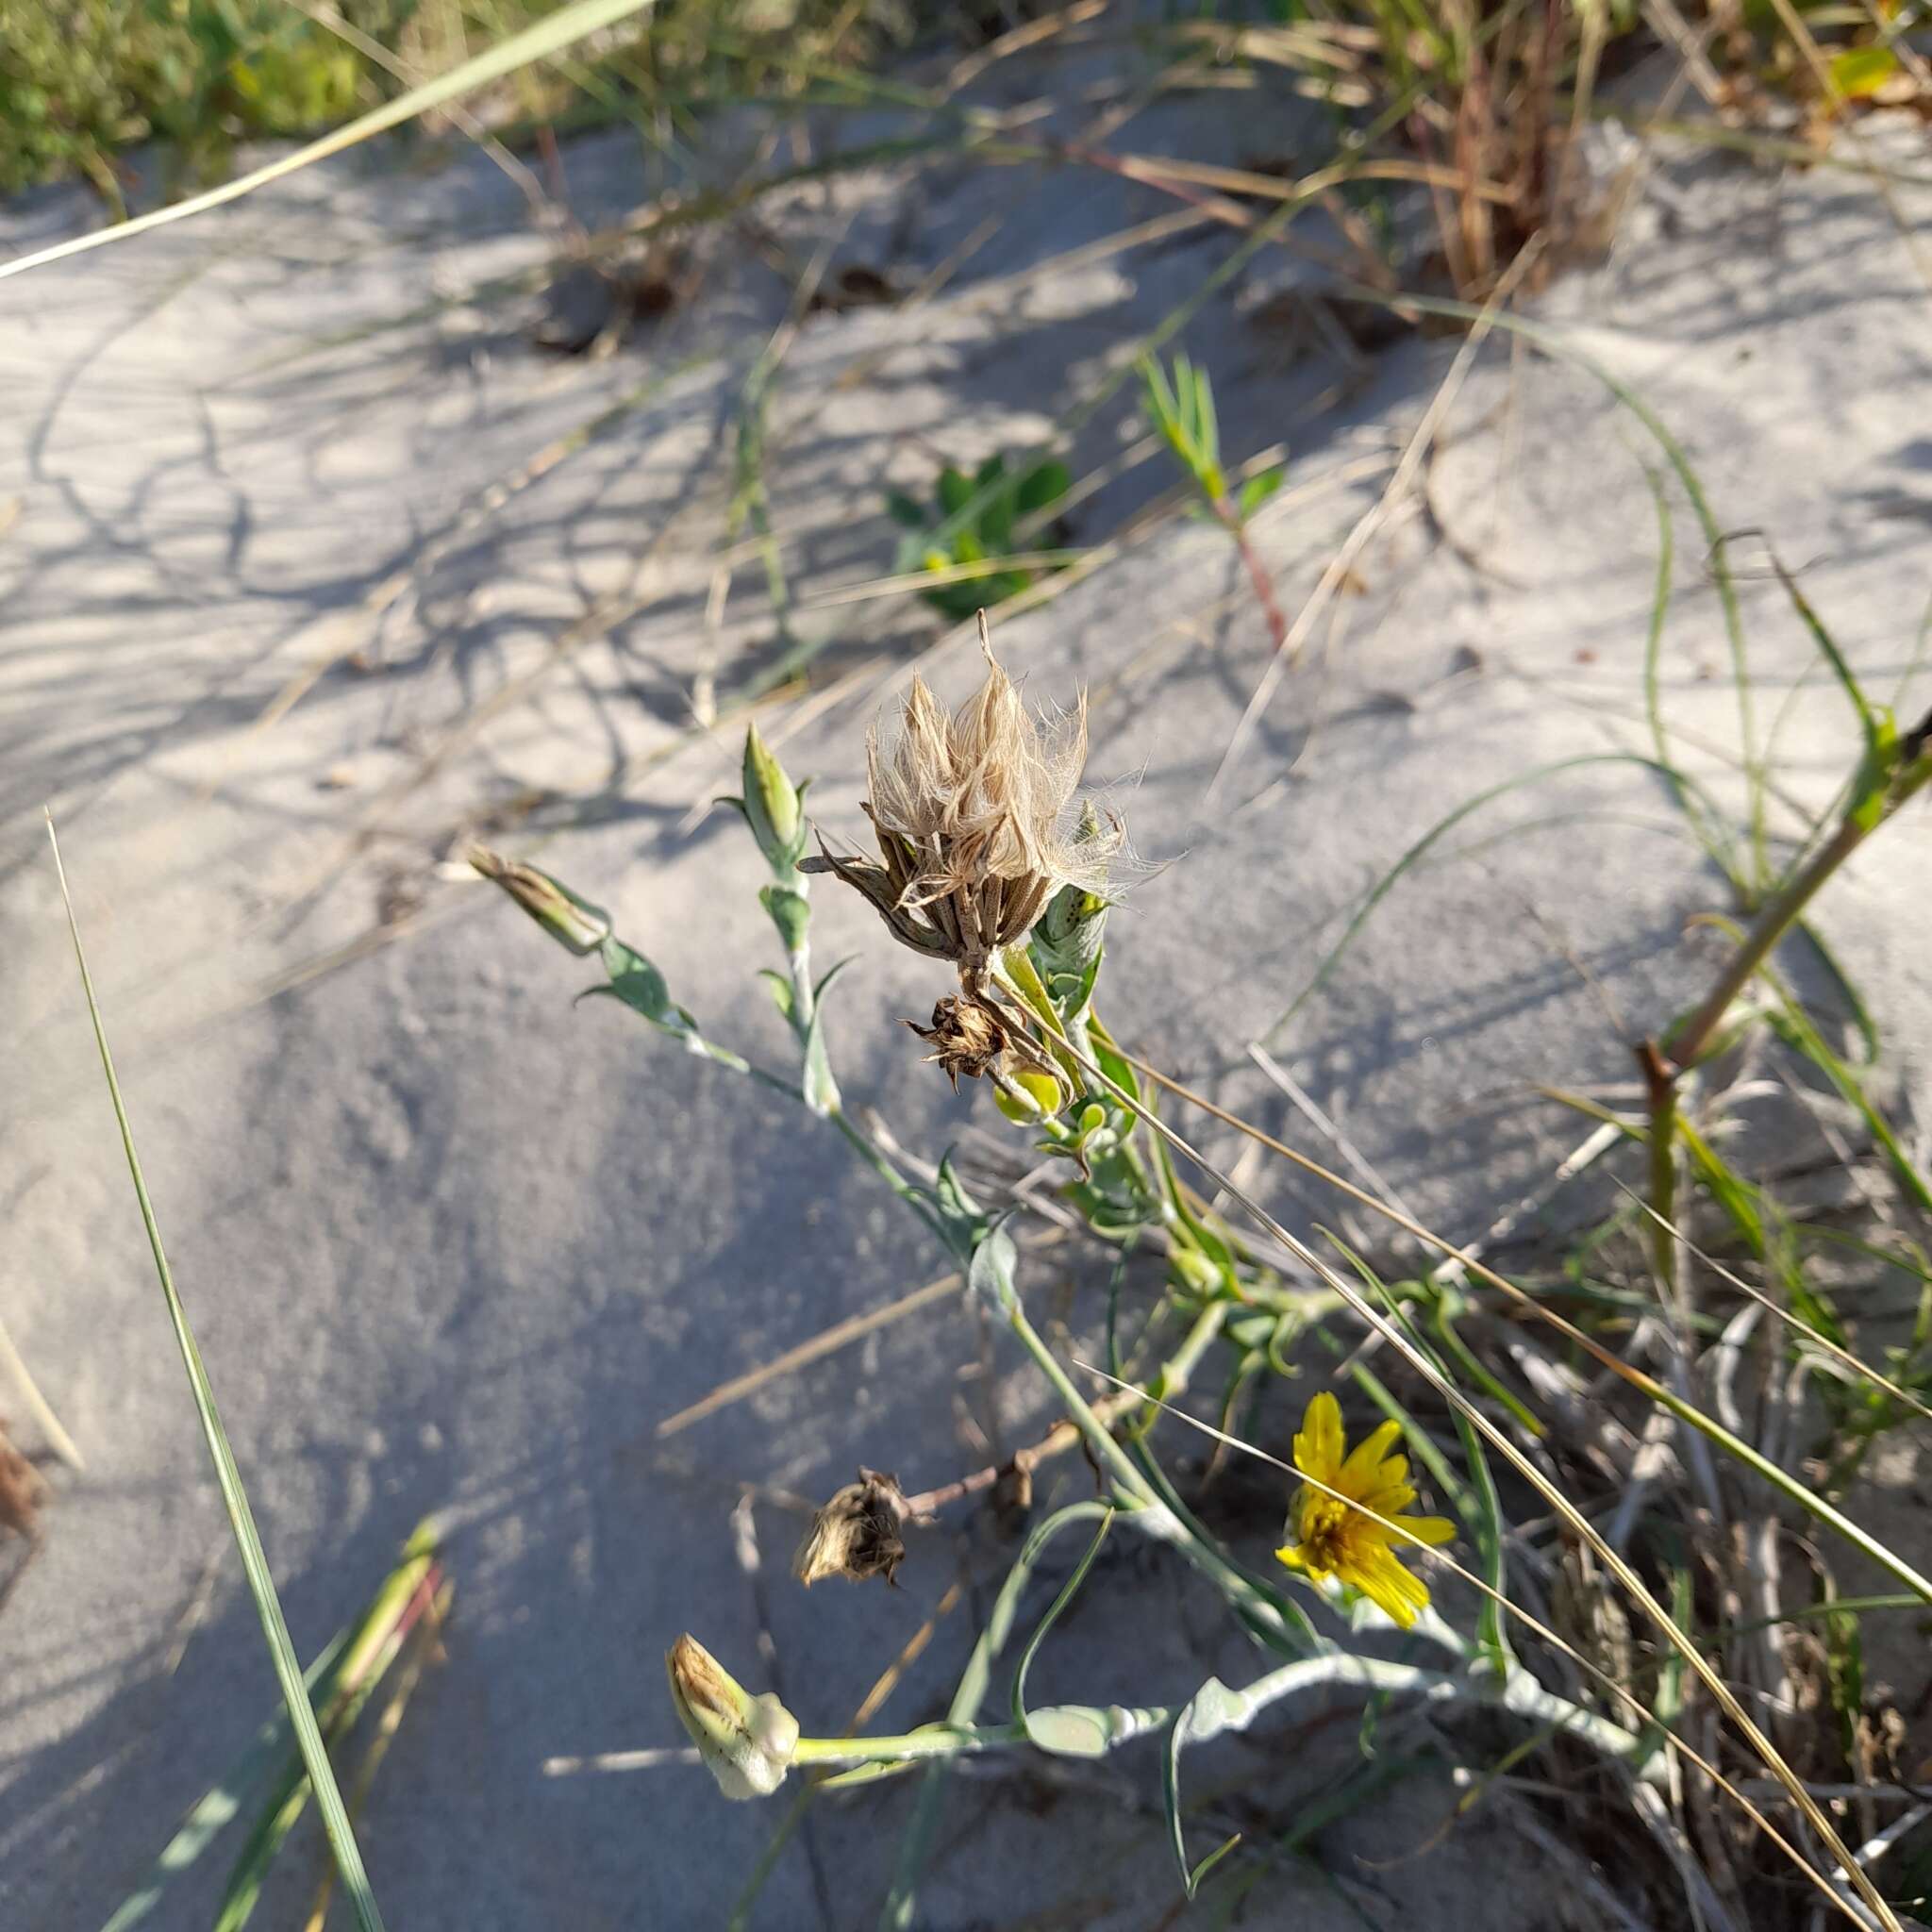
1213, 1709
275, 1628
1068, 1591
222, 1803
640, 986
1259, 487
377, 1643
791, 913
902, 1901
820, 1089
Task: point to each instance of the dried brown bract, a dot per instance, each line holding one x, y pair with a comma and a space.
976, 823
857, 1534
966, 1037
22, 1491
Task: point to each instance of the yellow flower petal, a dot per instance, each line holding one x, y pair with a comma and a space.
1360, 1471
1428, 1529
1319, 1446
1390, 1497
1383, 1580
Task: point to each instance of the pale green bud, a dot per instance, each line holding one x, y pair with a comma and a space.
746, 1742
570, 920
772, 807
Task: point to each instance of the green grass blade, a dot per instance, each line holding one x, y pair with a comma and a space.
1068, 1591
902, 1902
222, 1801
1380, 890
275, 1626
536, 43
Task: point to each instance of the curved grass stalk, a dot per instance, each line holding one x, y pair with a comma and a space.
901, 1901
1713, 1682
1675, 778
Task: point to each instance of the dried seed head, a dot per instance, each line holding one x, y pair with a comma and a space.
746, 1742
857, 1534
966, 1037
971, 813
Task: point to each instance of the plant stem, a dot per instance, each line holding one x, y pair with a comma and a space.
1171, 1381
1259, 576
1147, 1510
1688, 1041
1380, 1677
936, 1740
1660, 1083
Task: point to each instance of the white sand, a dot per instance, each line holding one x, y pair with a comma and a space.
451, 1243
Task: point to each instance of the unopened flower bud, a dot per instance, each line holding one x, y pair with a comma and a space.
857, 1534
771, 807
1041, 1095
1066, 941
746, 1742
570, 920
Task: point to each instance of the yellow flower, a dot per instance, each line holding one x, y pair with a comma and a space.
1333, 1537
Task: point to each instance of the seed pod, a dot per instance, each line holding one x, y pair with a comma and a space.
970, 813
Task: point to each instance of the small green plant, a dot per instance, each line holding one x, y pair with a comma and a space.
974, 534
1181, 407
79, 83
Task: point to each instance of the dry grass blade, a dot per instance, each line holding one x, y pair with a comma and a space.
1371, 522
823, 1344
536, 43
37, 1406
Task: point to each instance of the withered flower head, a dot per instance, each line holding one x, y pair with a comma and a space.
966, 1036
857, 1534
972, 814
